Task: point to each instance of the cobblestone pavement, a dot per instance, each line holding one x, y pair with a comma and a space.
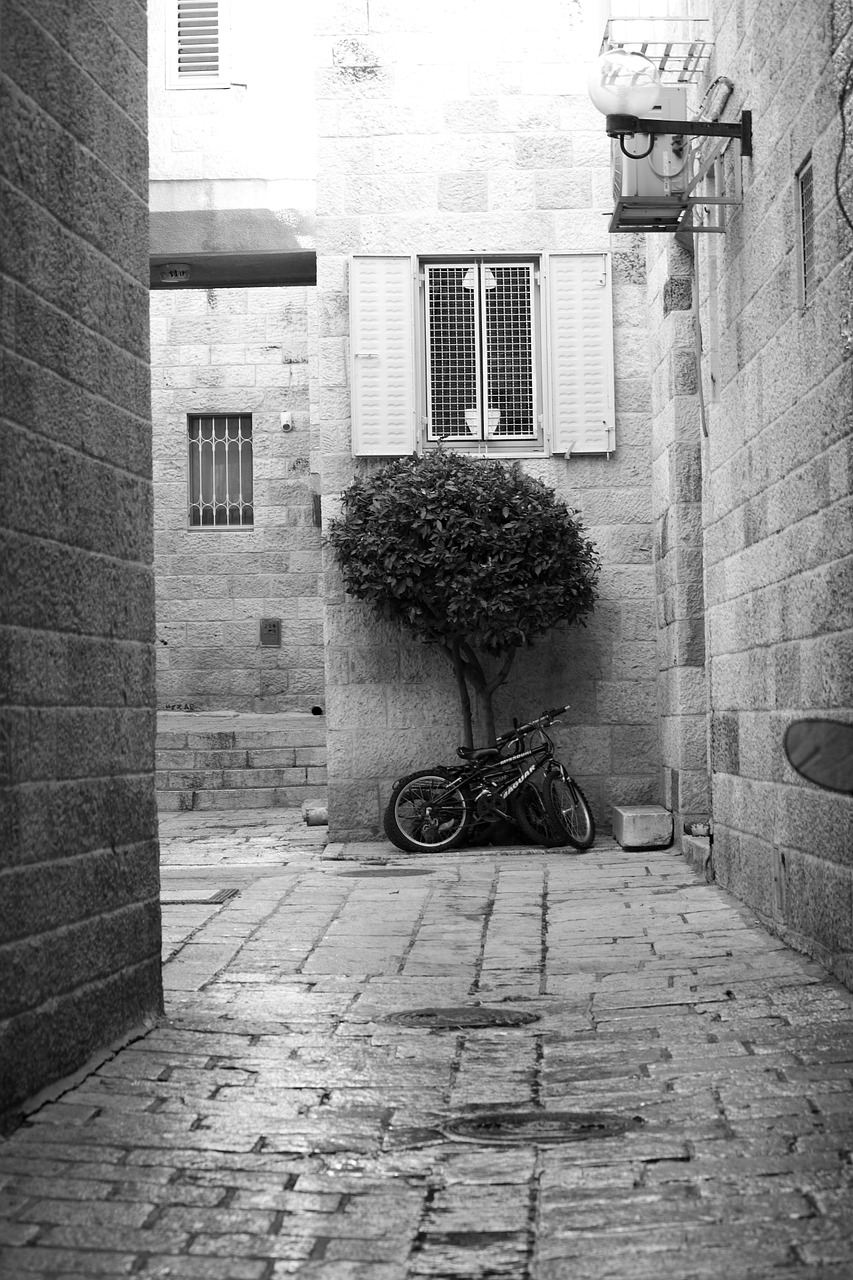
278, 1124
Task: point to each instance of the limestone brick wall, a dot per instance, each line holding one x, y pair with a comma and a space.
777, 505
677, 502
237, 351
440, 132
79, 887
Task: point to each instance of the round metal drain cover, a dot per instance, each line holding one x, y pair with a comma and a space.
538, 1128
466, 1015
386, 871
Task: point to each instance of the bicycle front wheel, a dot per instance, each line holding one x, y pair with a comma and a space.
424, 814
568, 808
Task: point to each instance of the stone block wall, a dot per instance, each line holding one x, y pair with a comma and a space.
677, 503
237, 351
79, 884
778, 522
439, 133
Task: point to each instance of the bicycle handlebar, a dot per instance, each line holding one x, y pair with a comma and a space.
547, 717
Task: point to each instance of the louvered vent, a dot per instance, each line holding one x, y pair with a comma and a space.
199, 40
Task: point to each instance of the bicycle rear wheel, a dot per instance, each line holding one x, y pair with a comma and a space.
527, 806
568, 808
424, 815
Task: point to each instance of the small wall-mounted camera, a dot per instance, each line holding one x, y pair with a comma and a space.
287, 421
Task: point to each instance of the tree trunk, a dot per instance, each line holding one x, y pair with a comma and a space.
464, 696
487, 714
469, 670
486, 696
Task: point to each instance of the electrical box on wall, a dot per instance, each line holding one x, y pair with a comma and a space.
664, 171
271, 632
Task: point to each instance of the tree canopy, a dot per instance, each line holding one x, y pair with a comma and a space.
476, 556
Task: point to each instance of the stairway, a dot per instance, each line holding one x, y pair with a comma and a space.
239, 760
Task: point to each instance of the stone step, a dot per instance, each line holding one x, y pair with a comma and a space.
244, 798
225, 760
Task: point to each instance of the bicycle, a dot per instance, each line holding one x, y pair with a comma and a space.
519, 778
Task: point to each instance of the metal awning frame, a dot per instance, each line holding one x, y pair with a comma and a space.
677, 46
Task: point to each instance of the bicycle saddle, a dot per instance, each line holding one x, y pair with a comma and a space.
478, 753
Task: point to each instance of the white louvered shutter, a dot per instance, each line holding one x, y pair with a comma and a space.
382, 351
580, 351
197, 44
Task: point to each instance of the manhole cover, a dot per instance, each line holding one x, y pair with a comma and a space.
386, 871
474, 1015
538, 1128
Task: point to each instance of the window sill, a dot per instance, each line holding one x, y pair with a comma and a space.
483, 450
221, 528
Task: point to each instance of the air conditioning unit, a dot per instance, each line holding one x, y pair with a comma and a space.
663, 172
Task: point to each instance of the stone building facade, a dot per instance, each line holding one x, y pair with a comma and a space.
237, 352
753, 526
738, 461
720, 504
724, 518
479, 146
239, 608
79, 881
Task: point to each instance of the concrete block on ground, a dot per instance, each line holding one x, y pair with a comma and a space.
647, 826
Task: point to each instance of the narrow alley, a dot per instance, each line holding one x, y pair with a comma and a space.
485, 1064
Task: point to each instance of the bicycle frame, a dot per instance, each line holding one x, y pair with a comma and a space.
493, 772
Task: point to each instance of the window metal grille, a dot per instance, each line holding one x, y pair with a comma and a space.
805, 183
453, 329
509, 351
479, 351
220, 470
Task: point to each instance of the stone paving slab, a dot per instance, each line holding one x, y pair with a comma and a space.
276, 1123
251, 837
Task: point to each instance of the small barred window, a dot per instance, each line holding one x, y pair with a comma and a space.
220, 470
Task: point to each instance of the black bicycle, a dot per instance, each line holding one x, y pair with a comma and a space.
518, 779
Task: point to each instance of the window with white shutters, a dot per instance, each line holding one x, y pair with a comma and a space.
580, 353
504, 357
197, 44
382, 342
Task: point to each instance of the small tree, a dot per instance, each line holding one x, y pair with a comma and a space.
474, 556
